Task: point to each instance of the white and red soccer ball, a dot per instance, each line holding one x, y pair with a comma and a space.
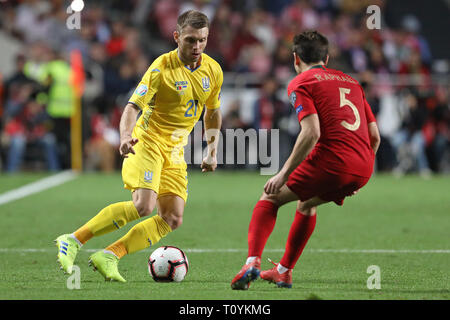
168, 264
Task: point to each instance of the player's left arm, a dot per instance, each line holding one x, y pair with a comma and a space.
306, 140
212, 120
374, 134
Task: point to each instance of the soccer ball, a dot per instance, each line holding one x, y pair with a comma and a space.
168, 264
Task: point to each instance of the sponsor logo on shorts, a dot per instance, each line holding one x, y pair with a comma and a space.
141, 90
298, 109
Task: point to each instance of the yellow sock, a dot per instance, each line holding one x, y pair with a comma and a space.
141, 236
108, 219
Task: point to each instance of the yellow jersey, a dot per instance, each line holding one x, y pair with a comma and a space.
172, 98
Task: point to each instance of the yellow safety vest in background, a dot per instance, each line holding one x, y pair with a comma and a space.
61, 93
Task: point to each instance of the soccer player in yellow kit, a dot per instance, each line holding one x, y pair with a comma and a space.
171, 95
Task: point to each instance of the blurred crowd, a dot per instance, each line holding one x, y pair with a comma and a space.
407, 90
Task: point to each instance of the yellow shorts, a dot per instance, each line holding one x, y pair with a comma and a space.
152, 167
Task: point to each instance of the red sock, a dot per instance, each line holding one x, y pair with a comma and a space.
261, 226
301, 230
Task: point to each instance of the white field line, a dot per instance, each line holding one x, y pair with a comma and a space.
37, 186
195, 250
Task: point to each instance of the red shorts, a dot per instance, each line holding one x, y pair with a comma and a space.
309, 180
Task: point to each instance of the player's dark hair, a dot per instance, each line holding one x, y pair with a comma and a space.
192, 18
311, 47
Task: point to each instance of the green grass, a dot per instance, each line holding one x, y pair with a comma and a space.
8, 182
396, 214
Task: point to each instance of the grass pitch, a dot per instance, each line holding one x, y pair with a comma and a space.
400, 225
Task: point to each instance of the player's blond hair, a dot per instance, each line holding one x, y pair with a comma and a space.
193, 18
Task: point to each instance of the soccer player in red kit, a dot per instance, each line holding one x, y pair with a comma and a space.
332, 158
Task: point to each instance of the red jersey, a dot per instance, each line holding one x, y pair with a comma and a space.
339, 102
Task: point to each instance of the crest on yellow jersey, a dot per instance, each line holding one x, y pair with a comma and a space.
205, 84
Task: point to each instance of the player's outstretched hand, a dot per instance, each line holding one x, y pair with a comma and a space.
275, 183
209, 164
126, 146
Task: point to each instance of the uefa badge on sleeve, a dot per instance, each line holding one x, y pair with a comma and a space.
293, 98
141, 90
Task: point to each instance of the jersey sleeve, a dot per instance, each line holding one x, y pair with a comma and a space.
213, 101
148, 86
302, 102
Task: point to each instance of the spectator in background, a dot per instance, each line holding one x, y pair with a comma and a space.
385, 157
60, 101
276, 7
282, 67
221, 35
134, 54
270, 112
2, 95
255, 59
342, 26
409, 141
263, 28
232, 118
59, 36
34, 67
120, 81
116, 43
101, 148
243, 39
337, 59
412, 27
268, 108
99, 22
246, 36
440, 131
166, 13
27, 124
355, 52
19, 76
204, 6
126, 65
413, 66
17, 90
32, 21
377, 62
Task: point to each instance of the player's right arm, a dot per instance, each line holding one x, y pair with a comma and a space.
306, 140
127, 123
140, 98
